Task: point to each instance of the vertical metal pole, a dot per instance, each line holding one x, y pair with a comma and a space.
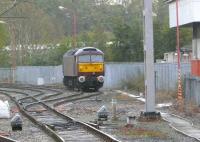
178, 33
179, 95
74, 23
74, 29
13, 54
114, 109
149, 58
155, 81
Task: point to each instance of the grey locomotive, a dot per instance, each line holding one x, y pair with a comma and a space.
83, 68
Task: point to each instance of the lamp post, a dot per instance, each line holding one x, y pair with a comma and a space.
74, 23
13, 46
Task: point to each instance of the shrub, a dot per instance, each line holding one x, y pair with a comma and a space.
135, 83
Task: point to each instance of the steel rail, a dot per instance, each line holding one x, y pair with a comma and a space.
36, 101
61, 98
36, 90
85, 126
42, 126
52, 95
74, 99
57, 93
6, 139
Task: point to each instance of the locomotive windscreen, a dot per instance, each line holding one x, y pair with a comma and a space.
92, 58
96, 58
84, 58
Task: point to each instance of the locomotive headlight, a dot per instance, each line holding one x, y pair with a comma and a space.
100, 79
81, 79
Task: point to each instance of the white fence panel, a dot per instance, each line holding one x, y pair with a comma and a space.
115, 74
6, 75
30, 74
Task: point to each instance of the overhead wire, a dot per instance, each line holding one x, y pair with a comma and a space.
15, 3
9, 8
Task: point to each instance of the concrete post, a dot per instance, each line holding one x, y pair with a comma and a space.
149, 58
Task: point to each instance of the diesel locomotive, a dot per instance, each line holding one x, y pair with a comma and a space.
83, 68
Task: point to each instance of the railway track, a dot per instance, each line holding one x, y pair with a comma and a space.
5, 139
34, 104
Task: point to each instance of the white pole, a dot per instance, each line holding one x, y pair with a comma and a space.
149, 58
114, 109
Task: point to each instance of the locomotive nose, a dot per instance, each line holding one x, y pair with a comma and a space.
100, 79
81, 79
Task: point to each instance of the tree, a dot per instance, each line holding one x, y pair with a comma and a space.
3, 35
115, 29
165, 37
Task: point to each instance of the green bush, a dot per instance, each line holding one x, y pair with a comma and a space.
135, 83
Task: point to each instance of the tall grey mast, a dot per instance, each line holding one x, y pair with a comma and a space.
149, 58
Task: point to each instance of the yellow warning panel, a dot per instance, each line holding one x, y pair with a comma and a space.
91, 67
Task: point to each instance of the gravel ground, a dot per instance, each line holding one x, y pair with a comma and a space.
190, 111
191, 116
158, 131
86, 110
29, 133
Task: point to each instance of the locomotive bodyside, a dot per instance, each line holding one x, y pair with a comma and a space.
83, 68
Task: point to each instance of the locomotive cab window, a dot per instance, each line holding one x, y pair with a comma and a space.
92, 58
84, 58
96, 58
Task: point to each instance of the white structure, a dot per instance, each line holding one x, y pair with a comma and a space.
188, 12
114, 2
171, 57
32, 47
120, 2
188, 15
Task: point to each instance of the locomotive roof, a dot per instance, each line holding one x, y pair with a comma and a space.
77, 51
168, 1
88, 49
